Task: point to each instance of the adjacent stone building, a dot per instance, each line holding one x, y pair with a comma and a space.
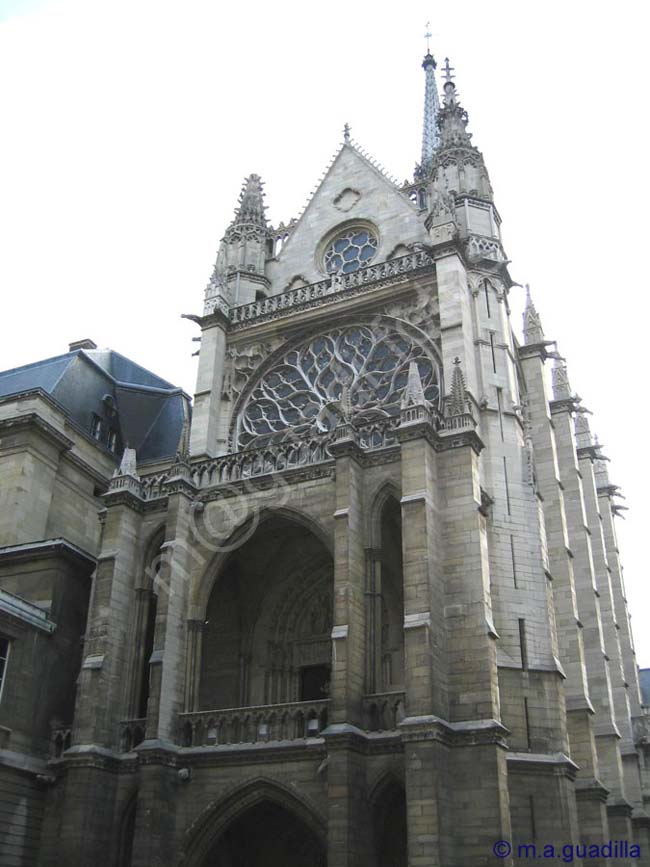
367, 609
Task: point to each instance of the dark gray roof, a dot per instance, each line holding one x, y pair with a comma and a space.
644, 677
145, 411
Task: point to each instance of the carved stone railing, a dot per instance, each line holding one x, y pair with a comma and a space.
249, 725
293, 299
60, 740
259, 462
462, 421
132, 733
383, 711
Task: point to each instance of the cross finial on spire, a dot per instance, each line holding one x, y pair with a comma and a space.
428, 35
448, 71
346, 133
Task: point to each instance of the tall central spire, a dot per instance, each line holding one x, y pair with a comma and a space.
430, 136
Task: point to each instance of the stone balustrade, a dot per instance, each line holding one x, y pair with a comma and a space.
315, 293
249, 725
259, 462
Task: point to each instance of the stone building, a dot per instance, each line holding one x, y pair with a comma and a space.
367, 609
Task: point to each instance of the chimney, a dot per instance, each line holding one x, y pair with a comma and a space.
82, 344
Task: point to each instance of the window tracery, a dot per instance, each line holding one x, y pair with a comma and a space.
302, 393
350, 251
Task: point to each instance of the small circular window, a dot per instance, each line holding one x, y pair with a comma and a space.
350, 251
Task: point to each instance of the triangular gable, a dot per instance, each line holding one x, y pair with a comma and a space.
353, 189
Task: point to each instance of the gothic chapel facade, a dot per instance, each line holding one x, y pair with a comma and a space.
370, 613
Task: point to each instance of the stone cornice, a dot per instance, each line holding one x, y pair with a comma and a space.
123, 497
453, 734
535, 350
33, 421
590, 452
454, 439
620, 807
563, 404
591, 789
94, 756
47, 548
542, 763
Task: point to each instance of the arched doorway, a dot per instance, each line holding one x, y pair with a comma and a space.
389, 823
267, 835
267, 637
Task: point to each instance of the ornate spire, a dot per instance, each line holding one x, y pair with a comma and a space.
250, 221
430, 136
452, 118
414, 392
127, 464
458, 398
583, 432
183, 447
560, 377
533, 331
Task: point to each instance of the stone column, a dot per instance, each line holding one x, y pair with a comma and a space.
195, 629
168, 660
349, 626
90, 782
560, 563
614, 738
348, 822
600, 642
102, 698
373, 620
207, 437
424, 644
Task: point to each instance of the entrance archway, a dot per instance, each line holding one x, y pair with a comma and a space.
268, 622
267, 835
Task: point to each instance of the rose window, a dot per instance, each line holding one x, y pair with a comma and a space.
301, 394
350, 251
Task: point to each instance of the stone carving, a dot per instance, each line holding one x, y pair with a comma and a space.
347, 199
300, 395
560, 375
240, 364
420, 311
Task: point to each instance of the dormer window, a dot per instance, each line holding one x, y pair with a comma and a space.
96, 427
351, 250
112, 440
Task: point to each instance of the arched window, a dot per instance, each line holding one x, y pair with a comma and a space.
146, 608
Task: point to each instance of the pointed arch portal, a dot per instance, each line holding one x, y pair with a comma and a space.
260, 824
267, 835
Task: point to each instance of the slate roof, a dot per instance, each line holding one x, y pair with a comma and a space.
146, 411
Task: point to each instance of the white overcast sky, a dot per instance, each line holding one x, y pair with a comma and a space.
127, 128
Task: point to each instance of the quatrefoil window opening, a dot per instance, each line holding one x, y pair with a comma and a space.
300, 395
350, 251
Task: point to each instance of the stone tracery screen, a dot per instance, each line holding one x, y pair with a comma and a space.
300, 395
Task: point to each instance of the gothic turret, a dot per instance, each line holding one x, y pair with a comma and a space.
459, 176
239, 271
